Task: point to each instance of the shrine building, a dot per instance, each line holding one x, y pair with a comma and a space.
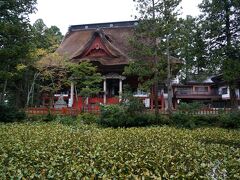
105, 45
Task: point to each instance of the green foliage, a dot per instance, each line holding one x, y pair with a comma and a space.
45, 38
192, 50
15, 42
231, 120
88, 118
130, 113
132, 104
220, 22
190, 120
11, 114
53, 72
127, 114
189, 107
53, 150
49, 117
113, 116
66, 120
85, 77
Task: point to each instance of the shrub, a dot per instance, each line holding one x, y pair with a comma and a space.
113, 116
11, 114
206, 120
34, 118
66, 120
49, 117
133, 105
181, 119
189, 108
231, 120
87, 118
121, 116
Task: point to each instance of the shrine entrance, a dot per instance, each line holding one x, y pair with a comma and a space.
112, 86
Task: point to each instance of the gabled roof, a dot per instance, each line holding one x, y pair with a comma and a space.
105, 43
108, 44
98, 42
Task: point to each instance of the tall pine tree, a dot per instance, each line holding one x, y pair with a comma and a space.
221, 23
154, 38
192, 50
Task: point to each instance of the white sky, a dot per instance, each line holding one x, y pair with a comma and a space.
64, 13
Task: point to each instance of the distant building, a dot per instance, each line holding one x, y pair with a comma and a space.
213, 93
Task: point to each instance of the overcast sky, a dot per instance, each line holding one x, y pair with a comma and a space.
64, 13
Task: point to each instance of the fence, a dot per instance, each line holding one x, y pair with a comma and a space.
211, 111
74, 112
55, 111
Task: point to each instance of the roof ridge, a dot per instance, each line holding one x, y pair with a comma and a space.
103, 25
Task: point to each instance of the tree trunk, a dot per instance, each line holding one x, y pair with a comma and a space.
169, 85
233, 98
76, 94
31, 89
156, 98
155, 68
2, 98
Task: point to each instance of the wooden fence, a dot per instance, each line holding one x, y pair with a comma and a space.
55, 111
74, 112
211, 111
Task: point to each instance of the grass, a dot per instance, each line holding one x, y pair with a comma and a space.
57, 151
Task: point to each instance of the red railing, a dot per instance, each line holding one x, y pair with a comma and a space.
74, 112
61, 111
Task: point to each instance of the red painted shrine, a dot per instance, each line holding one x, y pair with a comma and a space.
105, 45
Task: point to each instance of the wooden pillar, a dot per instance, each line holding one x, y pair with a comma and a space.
152, 98
105, 91
120, 90
43, 101
70, 103
162, 102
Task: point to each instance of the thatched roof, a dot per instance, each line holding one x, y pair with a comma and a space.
113, 40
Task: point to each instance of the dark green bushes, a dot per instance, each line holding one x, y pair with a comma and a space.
11, 114
129, 114
187, 117
113, 116
228, 120
87, 118
133, 114
231, 120
66, 120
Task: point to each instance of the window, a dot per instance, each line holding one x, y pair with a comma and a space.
201, 89
224, 90
183, 91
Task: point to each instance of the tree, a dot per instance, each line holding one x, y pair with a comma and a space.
43, 41
85, 78
46, 39
53, 73
154, 42
221, 23
56, 72
192, 50
15, 43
